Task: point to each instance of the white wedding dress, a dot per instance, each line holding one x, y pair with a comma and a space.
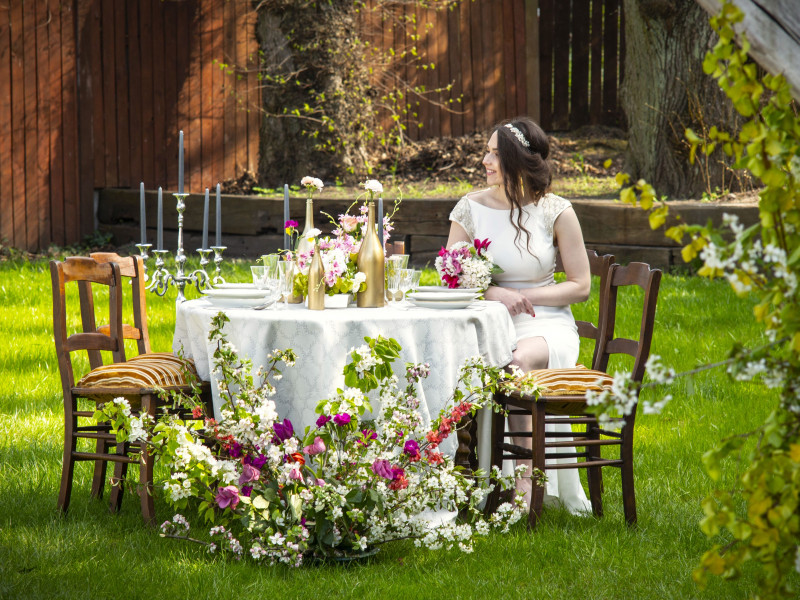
529, 269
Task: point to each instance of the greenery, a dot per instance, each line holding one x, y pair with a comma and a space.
90, 553
762, 261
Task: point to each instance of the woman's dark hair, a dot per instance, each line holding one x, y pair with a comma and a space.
525, 170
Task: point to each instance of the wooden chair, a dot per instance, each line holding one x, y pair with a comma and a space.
138, 380
563, 400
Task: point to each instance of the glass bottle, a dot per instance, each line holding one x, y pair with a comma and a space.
316, 281
371, 263
303, 245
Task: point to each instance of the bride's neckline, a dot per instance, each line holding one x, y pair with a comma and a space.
524, 206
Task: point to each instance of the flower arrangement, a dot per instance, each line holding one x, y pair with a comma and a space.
343, 485
312, 184
467, 266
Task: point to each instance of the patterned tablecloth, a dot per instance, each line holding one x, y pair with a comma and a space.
322, 339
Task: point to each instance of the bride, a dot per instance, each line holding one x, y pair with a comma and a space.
525, 225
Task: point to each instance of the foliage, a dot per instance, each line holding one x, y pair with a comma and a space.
763, 260
343, 486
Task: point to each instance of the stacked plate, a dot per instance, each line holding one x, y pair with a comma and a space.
438, 297
226, 296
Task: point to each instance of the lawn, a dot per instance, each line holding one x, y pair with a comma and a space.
93, 554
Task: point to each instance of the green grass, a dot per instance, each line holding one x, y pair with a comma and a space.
93, 554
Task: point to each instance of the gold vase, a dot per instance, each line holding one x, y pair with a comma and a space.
316, 281
371, 263
303, 245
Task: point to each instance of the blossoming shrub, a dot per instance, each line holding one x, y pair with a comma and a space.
343, 484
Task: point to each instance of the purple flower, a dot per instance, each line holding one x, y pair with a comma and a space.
397, 472
322, 420
258, 462
341, 419
283, 430
318, 447
320, 482
249, 473
235, 450
246, 491
382, 468
227, 496
369, 435
411, 447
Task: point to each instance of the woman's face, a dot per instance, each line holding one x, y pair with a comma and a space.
491, 161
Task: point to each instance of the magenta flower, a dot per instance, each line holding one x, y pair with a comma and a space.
341, 419
283, 430
258, 462
249, 473
235, 450
411, 447
318, 447
481, 245
397, 473
382, 468
368, 435
322, 420
246, 490
227, 497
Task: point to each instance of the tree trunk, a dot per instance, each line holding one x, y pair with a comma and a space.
665, 91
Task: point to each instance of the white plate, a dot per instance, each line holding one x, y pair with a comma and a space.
440, 289
442, 304
234, 286
439, 297
234, 293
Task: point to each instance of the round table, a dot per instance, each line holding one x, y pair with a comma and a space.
322, 339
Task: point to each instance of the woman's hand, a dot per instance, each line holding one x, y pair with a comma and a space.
512, 299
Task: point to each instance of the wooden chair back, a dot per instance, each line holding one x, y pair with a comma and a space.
648, 280
599, 266
131, 267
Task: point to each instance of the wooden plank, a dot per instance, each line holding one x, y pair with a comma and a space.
509, 66
31, 195
495, 83
134, 93
170, 160
440, 125
427, 47
146, 93
579, 89
121, 39
561, 67
610, 56
109, 96
453, 60
69, 123
229, 170
521, 104
193, 134
596, 61
18, 125
546, 8
206, 91
42, 140
399, 37
159, 74
89, 97
240, 87
216, 173
532, 67
6, 170
465, 47
56, 126
484, 55
253, 93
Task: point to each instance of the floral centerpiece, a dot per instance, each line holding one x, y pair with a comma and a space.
340, 249
467, 265
340, 487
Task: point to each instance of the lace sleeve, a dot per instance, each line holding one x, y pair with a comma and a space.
462, 215
552, 206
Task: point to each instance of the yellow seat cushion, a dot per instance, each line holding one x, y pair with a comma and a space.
146, 371
574, 381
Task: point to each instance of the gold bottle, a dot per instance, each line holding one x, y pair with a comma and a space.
316, 281
303, 245
371, 263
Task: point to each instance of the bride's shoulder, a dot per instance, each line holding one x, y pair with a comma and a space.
482, 197
553, 203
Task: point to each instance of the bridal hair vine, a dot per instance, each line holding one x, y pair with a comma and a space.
519, 135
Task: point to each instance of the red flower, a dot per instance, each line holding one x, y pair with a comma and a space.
197, 412
296, 457
399, 483
434, 458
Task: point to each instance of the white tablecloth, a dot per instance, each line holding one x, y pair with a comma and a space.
322, 339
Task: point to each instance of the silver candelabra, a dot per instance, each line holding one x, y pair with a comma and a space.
162, 279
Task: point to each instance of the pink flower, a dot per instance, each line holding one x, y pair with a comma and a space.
227, 497
320, 482
318, 447
349, 222
341, 419
481, 245
382, 468
295, 473
322, 420
249, 473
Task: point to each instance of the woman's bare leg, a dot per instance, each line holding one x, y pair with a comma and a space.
531, 353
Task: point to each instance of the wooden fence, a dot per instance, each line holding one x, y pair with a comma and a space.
93, 92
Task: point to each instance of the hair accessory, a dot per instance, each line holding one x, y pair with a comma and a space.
518, 134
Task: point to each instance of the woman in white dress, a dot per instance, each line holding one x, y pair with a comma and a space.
525, 224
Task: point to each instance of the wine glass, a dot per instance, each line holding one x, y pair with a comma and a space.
259, 273
405, 277
392, 266
286, 275
393, 285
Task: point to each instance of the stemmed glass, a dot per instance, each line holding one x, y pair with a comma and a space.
405, 277
286, 275
266, 278
393, 285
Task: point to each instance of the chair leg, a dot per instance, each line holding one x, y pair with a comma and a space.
628, 493
146, 467
67, 468
594, 474
118, 480
537, 462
